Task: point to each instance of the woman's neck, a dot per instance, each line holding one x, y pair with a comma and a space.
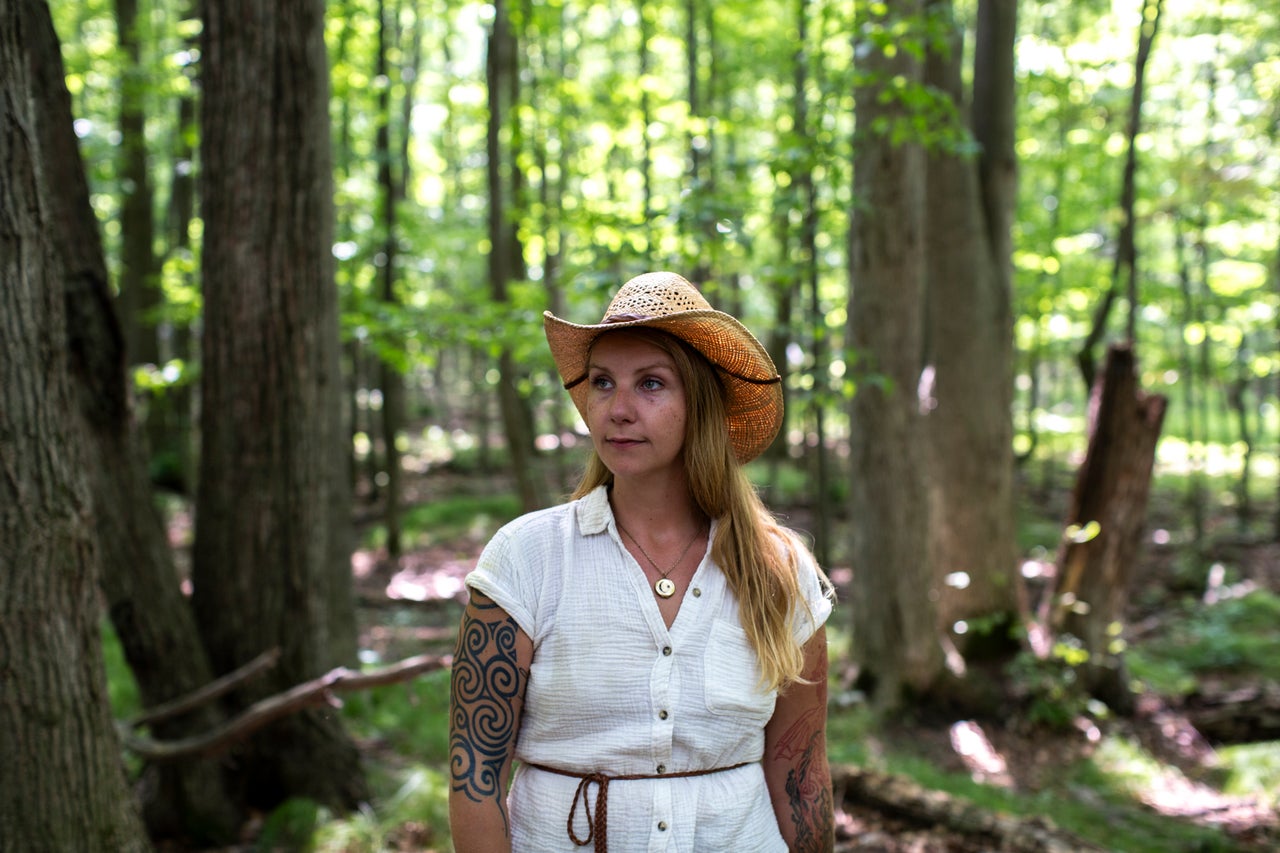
661, 509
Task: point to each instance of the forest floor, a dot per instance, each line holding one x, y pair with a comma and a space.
1009, 754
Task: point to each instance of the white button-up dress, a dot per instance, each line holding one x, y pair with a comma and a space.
613, 690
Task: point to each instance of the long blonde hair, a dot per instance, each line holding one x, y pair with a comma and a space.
758, 556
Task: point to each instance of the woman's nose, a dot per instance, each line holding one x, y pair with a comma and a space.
621, 406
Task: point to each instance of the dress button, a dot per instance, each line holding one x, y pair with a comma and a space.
662, 768
666, 651
697, 593
662, 825
662, 715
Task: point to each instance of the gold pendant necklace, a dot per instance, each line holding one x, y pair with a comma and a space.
663, 586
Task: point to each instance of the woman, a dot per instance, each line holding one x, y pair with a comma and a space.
652, 653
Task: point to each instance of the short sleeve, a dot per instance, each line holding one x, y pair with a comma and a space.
505, 573
817, 596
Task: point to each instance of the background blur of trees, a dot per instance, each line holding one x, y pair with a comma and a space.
937, 215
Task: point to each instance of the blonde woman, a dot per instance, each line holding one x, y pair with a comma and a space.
649, 656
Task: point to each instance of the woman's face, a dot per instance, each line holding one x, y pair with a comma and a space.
636, 407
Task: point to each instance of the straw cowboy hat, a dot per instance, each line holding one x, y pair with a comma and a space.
666, 301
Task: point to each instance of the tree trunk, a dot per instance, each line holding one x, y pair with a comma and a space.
895, 636
504, 249
1111, 490
138, 576
139, 294
271, 565
170, 415
62, 781
390, 379
1124, 270
970, 342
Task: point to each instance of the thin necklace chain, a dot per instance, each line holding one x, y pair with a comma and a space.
696, 535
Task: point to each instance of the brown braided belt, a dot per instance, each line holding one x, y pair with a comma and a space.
597, 824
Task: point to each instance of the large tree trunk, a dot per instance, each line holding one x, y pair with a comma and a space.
269, 566
895, 635
138, 576
1095, 565
970, 344
62, 781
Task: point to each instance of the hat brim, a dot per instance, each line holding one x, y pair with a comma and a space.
754, 389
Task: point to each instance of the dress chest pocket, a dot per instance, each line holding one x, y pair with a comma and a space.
732, 675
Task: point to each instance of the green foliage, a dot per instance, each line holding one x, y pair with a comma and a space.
1253, 770
292, 826
122, 688
411, 719
1050, 687
1234, 636
473, 517
410, 812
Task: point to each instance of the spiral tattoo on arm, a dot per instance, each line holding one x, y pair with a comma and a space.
487, 688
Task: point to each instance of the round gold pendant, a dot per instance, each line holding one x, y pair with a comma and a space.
665, 587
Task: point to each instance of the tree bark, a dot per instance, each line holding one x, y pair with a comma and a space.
970, 343
1112, 486
390, 378
271, 563
139, 293
505, 256
895, 634
138, 576
62, 782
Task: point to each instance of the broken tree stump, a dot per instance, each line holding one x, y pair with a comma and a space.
1109, 507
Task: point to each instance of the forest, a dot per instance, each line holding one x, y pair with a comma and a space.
272, 371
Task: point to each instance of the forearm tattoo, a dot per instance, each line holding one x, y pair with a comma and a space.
809, 787
487, 685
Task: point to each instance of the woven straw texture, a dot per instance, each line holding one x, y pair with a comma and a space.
666, 301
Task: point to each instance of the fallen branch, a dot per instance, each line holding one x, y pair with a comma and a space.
206, 694
1245, 715
903, 798
319, 691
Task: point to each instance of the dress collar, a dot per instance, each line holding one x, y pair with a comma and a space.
594, 511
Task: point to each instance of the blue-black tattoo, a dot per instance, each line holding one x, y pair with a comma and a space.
487, 685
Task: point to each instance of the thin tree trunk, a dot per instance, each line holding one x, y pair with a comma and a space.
170, 418
1189, 384
390, 379
1238, 397
139, 293
62, 781
504, 252
271, 564
1124, 268
806, 192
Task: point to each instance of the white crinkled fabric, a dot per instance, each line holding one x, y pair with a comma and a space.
612, 690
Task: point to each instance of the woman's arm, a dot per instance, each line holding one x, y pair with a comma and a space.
490, 671
795, 757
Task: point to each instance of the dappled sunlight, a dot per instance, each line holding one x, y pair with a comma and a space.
1167, 790
978, 754
1177, 456
419, 585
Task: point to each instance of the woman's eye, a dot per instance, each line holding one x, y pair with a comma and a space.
600, 382
651, 384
